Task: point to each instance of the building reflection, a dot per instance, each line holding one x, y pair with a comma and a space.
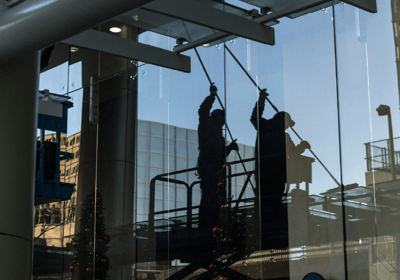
309, 238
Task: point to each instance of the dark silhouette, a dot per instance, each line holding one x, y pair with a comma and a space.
45, 57
211, 157
273, 149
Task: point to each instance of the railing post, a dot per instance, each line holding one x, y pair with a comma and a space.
57, 190
368, 156
189, 206
229, 187
152, 204
41, 164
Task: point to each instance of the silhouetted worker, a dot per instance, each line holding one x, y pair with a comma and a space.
211, 157
273, 148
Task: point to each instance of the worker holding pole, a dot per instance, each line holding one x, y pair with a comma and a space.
274, 148
212, 157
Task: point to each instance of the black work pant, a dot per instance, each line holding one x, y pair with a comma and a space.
271, 180
209, 203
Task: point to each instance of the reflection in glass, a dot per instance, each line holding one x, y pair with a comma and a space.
211, 160
272, 213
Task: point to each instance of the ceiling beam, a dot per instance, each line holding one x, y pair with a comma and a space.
198, 13
368, 5
111, 44
291, 10
200, 42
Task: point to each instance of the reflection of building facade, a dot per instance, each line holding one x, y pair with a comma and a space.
54, 221
327, 63
379, 161
163, 148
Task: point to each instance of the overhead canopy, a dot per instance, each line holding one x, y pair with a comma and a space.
169, 25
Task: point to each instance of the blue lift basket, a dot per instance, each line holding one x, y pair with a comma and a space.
52, 190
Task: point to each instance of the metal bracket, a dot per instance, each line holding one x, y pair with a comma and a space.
94, 100
265, 10
180, 41
254, 14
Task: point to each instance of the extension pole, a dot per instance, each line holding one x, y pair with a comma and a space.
222, 106
276, 109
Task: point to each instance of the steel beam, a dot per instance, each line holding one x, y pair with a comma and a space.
200, 42
107, 43
35, 24
291, 10
368, 5
198, 13
261, 20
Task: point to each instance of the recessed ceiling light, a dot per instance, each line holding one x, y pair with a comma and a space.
135, 17
115, 29
74, 49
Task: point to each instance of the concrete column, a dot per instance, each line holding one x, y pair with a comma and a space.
115, 166
116, 156
116, 145
19, 86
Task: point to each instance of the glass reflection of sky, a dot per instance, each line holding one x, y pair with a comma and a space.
299, 72
60, 80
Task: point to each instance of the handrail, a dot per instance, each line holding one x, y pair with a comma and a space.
165, 178
161, 177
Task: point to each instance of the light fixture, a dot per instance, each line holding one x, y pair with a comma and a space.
74, 49
206, 45
135, 17
115, 29
384, 110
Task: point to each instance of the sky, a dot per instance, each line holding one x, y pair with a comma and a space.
302, 76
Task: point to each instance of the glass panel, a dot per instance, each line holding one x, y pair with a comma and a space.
368, 89
104, 156
57, 170
177, 224
289, 228
159, 190
54, 69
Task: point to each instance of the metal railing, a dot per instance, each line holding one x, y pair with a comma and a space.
378, 155
189, 188
300, 172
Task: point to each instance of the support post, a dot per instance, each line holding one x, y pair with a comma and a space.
393, 162
19, 84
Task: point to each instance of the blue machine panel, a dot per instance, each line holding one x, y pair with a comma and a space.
48, 187
53, 123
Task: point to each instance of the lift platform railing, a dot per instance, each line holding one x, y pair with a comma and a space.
299, 170
378, 155
189, 188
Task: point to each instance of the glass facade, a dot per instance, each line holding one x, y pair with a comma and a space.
265, 162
